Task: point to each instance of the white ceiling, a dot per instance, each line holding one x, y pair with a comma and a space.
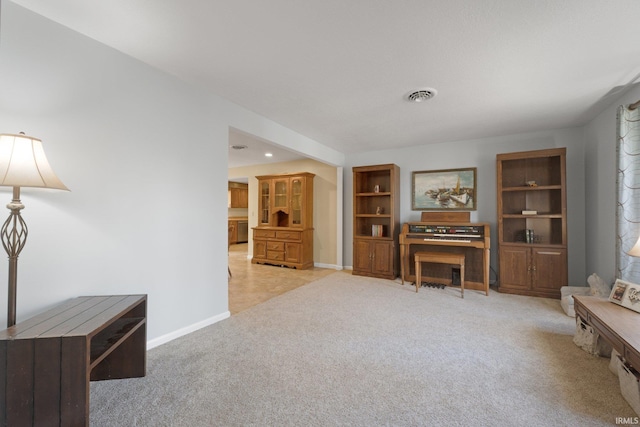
256, 148
338, 71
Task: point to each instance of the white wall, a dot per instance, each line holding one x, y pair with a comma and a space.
482, 155
600, 179
145, 157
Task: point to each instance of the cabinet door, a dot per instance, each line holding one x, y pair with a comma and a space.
233, 232
244, 198
264, 202
259, 248
515, 267
382, 257
361, 255
549, 269
297, 188
234, 197
280, 204
239, 197
293, 252
281, 194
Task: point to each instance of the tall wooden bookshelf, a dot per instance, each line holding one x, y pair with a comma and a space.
376, 220
532, 222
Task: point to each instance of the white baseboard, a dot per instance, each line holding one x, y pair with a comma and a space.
186, 330
322, 265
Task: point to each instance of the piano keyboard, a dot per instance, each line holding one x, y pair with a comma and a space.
470, 238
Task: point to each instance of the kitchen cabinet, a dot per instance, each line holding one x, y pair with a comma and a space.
239, 233
233, 235
238, 195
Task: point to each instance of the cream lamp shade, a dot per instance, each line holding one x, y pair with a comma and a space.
24, 164
635, 250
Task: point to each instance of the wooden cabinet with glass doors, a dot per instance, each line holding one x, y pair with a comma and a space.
532, 222
284, 235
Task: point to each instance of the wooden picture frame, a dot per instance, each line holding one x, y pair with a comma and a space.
445, 189
626, 294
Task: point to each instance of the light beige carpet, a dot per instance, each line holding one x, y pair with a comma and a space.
353, 351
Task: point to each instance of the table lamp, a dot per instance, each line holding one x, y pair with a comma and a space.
635, 250
22, 164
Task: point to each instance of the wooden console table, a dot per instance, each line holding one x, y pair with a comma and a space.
616, 324
46, 362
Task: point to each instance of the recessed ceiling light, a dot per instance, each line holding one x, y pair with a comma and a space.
239, 147
268, 155
422, 95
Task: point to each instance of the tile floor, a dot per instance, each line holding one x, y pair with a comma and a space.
253, 284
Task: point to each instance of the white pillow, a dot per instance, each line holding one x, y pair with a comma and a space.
598, 286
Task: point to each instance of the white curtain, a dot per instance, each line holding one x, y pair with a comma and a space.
628, 185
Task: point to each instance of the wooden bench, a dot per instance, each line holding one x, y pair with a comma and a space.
439, 258
46, 362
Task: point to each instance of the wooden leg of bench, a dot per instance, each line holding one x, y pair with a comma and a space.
462, 280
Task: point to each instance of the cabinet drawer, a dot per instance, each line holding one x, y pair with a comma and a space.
606, 333
275, 246
275, 255
264, 234
631, 357
580, 311
288, 235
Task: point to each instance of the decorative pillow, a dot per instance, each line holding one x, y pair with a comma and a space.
598, 286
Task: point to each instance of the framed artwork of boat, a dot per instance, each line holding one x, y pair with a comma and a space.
446, 189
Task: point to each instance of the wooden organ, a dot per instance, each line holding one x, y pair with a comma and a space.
472, 239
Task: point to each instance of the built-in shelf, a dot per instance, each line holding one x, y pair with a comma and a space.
539, 216
532, 247
538, 188
376, 224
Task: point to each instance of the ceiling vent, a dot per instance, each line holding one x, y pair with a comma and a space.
422, 95
239, 147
